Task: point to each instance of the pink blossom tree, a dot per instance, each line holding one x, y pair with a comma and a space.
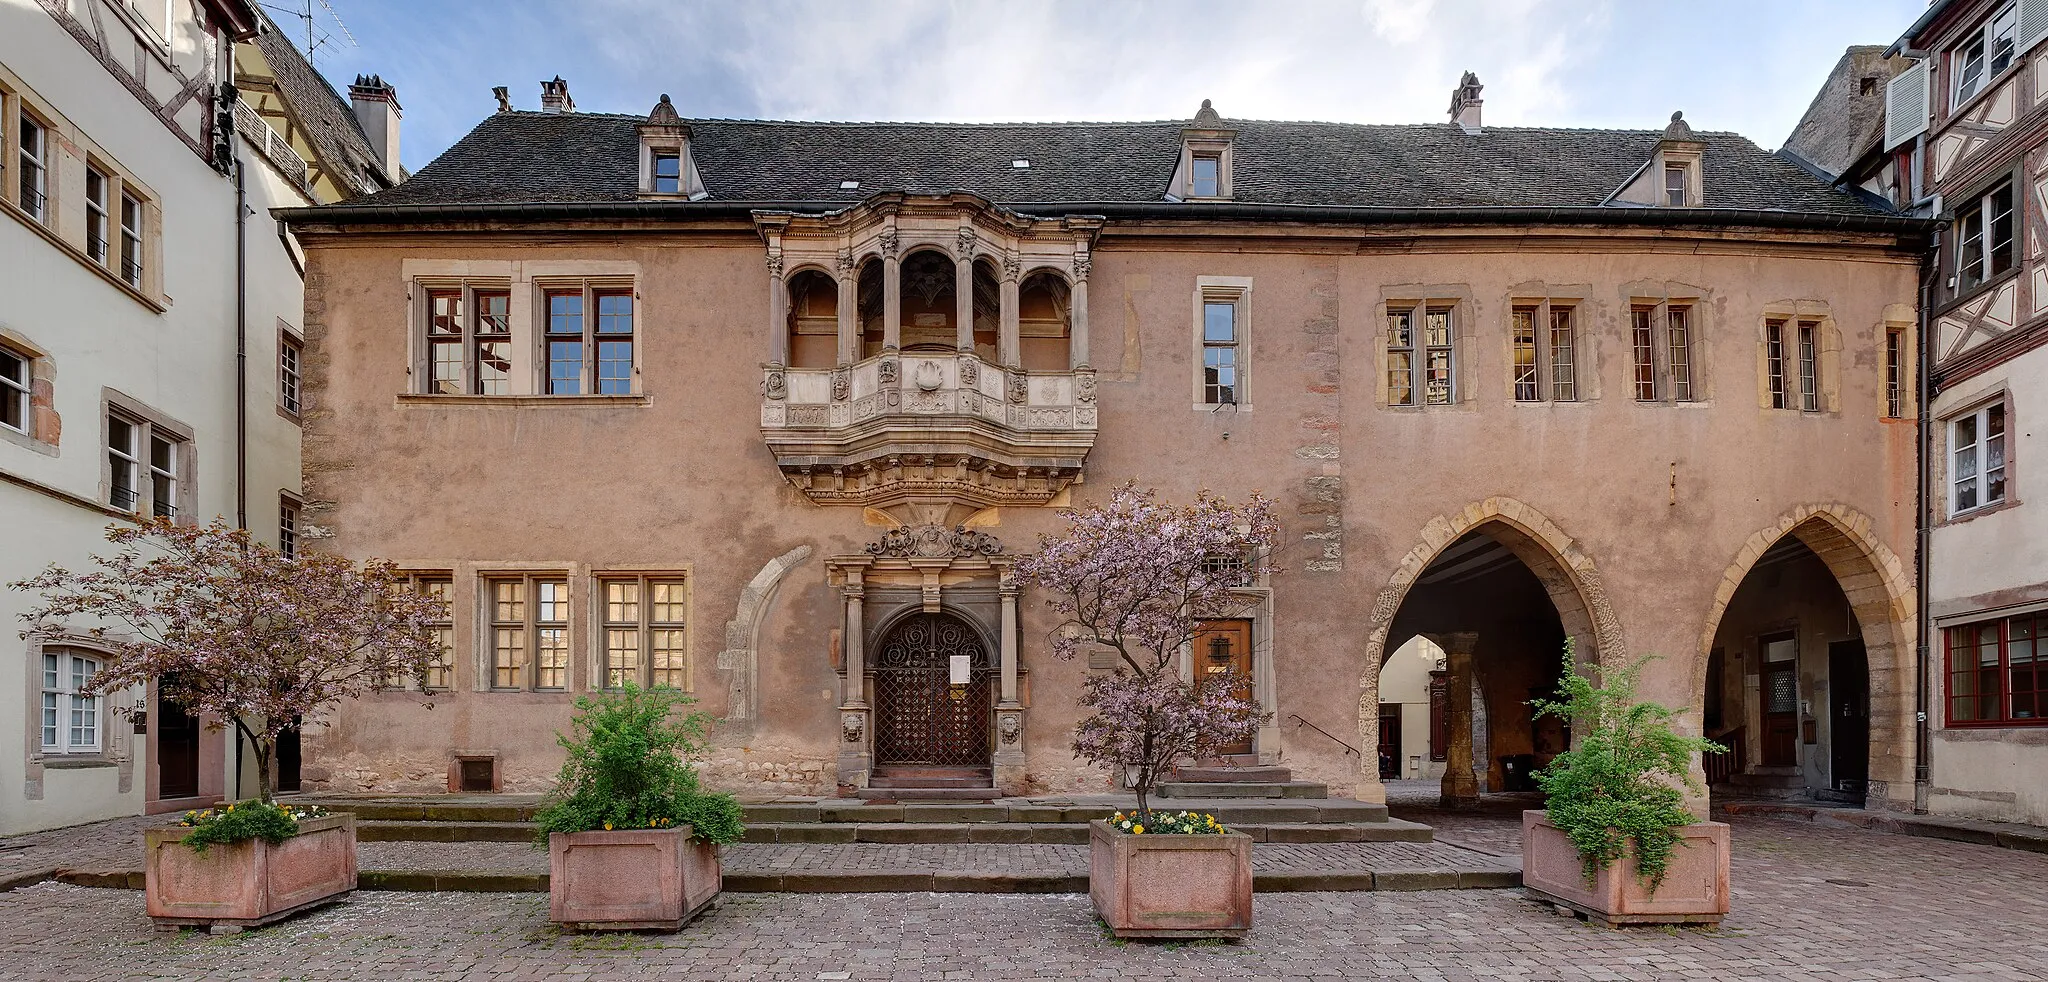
233, 628
1138, 576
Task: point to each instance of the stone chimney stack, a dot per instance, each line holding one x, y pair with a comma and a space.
1465, 103
554, 97
376, 105
504, 97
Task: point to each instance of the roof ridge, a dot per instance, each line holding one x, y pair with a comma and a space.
1048, 124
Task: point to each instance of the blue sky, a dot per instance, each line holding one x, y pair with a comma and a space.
1750, 66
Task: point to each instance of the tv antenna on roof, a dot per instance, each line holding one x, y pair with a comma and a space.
316, 36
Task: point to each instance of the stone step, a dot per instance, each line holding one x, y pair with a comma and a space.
1232, 811
1281, 789
1783, 778
1066, 834
1234, 775
377, 830
428, 808
891, 793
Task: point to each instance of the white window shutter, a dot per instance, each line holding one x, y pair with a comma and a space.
1905, 101
2033, 24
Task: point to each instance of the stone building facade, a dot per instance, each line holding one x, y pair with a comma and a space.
765, 410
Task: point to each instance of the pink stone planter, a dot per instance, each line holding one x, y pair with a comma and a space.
648, 879
1171, 886
1694, 891
247, 884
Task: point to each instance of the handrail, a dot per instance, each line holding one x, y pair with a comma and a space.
1721, 767
1298, 721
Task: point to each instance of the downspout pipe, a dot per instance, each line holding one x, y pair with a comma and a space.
241, 346
1923, 741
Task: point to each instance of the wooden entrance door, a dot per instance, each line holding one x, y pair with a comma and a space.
177, 752
1780, 700
922, 716
1226, 647
288, 758
1849, 717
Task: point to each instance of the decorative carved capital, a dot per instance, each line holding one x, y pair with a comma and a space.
1082, 263
1013, 267
844, 261
934, 542
966, 244
889, 243
775, 265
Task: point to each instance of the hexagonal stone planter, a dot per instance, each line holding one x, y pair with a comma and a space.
1694, 890
645, 879
1171, 886
247, 884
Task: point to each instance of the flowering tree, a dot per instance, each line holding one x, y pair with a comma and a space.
231, 627
1138, 576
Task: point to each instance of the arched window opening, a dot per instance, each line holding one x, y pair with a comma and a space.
868, 308
1044, 322
988, 310
930, 303
813, 320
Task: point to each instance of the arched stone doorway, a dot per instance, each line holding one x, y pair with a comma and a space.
933, 680
1499, 587
1806, 664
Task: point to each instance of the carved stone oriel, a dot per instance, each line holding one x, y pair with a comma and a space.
775, 386
934, 542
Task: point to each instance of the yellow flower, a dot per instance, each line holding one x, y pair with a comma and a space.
1138, 830
607, 826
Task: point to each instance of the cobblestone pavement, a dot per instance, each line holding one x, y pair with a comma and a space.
102, 845
514, 857
1810, 902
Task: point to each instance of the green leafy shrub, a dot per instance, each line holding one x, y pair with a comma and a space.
1624, 781
629, 767
240, 822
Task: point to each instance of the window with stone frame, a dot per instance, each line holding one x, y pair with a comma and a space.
1661, 345
70, 719
1977, 459
646, 639
97, 185
1774, 363
290, 354
16, 383
1894, 373
147, 465
468, 339
666, 175
587, 343
288, 526
528, 636
1998, 672
1793, 367
440, 674
1544, 338
32, 149
1421, 356
1985, 236
133, 214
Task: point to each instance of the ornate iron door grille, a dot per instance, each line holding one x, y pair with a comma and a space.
921, 717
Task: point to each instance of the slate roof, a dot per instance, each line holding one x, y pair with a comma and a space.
328, 120
529, 157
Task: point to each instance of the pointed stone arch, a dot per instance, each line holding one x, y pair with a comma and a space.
1564, 568
1879, 591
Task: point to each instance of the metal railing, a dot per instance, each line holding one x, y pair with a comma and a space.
1299, 722
273, 145
1723, 766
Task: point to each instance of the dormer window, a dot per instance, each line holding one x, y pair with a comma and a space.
1675, 184
1207, 179
667, 172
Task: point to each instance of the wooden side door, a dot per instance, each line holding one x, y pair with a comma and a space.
1780, 700
1849, 716
177, 751
1226, 646
1390, 741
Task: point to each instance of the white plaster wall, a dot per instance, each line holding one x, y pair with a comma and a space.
179, 362
1999, 774
276, 292
1405, 680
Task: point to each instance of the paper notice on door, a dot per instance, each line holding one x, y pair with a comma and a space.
962, 669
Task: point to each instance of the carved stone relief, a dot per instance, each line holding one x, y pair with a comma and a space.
934, 542
776, 386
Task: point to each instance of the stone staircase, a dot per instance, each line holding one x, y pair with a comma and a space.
1228, 779
1767, 783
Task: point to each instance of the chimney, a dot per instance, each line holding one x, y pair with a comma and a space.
504, 97
376, 106
554, 97
1465, 103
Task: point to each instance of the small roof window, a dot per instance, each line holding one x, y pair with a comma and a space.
1020, 164
848, 185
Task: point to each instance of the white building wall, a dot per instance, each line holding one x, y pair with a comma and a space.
1981, 568
96, 337
1405, 680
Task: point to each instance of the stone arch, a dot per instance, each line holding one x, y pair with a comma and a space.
1564, 568
1878, 588
743, 633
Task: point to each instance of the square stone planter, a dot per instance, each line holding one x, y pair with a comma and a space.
638, 880
1170, 886
247, 884
1694, 890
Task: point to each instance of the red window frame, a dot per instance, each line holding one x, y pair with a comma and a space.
2024, 690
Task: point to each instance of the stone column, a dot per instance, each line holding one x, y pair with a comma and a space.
849, 309
1009, 758
1077, 316
1460, 787
892, 294
1008, 348
855, 734
963, 290
778, 312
